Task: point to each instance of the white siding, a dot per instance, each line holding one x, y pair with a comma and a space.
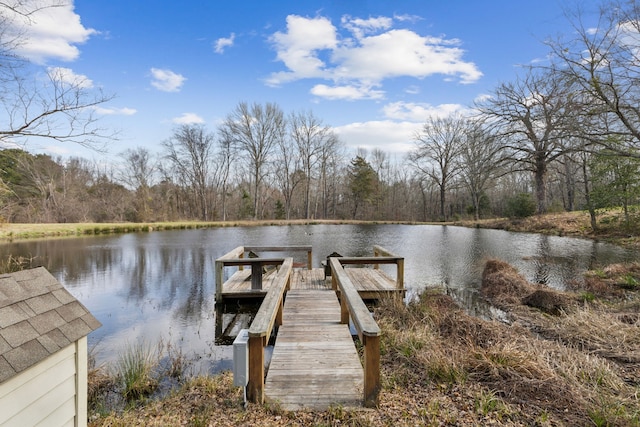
44, 393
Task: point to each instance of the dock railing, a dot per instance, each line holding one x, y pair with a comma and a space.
367, 328
380, 256
236, 257
288, 249
268, 316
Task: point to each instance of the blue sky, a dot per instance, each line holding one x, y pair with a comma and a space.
372, 70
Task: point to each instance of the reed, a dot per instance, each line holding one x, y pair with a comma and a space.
135, 370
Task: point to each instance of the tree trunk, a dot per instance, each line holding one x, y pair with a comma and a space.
587, 196
541, 189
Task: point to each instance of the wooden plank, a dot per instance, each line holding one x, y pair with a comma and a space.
268, 312
367, 328
315, 363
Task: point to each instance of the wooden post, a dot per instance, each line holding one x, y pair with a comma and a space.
219, 280
309, 260
371, 371
376, 252
279, 314
256, 276
255, 386
400, 274
344, 310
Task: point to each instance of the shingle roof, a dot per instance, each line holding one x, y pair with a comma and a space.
38, 317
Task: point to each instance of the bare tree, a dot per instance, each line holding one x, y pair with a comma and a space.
310, 136
288, 171
437, 148
481, 161
137, 173
532, 117
227, 156
61, 107
603, 62
190, 152
330, 161
255, 130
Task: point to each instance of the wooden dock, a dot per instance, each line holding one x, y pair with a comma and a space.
254, 283
314, 363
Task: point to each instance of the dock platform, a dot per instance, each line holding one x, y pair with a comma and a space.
314, 363
371, 284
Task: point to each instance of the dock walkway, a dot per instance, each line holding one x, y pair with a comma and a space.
315, 363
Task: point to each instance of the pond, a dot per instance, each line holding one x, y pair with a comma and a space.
148, 287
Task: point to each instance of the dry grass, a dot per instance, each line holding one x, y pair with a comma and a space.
11, 232
441, 366
611, 226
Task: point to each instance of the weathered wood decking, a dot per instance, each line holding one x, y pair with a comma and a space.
315, 363
370, 283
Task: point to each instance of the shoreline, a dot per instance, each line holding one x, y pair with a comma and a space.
565, 224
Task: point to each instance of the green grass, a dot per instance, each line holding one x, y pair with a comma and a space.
135, 369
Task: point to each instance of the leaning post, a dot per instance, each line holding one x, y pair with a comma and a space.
400, 273
371, 370
255, 386
219, 279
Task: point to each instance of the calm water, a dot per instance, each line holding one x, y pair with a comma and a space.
160, 285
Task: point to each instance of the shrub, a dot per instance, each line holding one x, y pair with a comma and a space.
521, 206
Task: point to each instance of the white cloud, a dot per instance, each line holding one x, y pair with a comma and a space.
49, 33
360, 27
350, 93
166, 80
387, 135
412, 90
67, 76
420, 112
313, 48
116, 111
188, 119
298, 48
395, 133
223, 43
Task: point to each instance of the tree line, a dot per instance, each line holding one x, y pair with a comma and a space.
562, 136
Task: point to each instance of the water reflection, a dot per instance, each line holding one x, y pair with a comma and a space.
147, 286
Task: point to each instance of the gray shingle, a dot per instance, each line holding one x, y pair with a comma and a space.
43, 303
4, 346
91, 321
50, 343
63, 296
24, 307
71, 311
38, 317
26, 355
75, 329
45, 322
18, 334
10, 315
10, 289
6, 370
58, 338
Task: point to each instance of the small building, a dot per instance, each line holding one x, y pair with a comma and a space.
43, 351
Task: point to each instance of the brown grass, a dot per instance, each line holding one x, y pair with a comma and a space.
505, 287
611, 226
441, 366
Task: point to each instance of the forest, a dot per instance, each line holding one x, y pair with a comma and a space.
562, 136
